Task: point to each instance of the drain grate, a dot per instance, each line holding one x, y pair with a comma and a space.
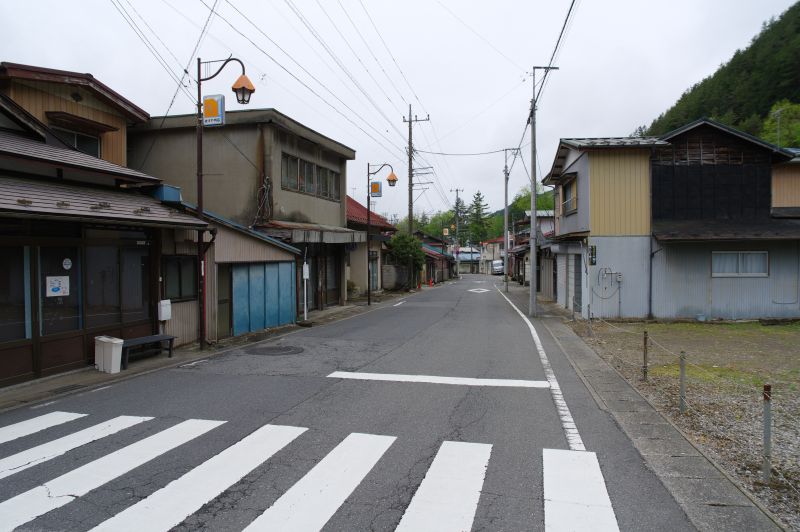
276, 350
68, 388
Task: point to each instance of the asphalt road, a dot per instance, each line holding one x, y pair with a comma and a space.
486, 443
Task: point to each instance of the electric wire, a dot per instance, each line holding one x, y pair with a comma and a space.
461, 154
481, 37
308, 87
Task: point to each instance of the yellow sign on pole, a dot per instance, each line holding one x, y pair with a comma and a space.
214, 110
375, 189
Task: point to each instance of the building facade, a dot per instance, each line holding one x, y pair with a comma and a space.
699, 223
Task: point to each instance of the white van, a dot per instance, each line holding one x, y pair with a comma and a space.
497, 267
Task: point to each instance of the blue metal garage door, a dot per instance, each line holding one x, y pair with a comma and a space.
263, 295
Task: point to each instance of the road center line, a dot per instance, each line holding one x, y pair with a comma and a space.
567, 422
432, 379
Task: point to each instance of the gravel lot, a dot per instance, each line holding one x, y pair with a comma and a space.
727, 365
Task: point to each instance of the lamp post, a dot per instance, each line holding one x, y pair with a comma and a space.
392, 180
243, 88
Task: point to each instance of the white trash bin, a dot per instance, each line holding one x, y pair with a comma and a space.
112, 354
100, 343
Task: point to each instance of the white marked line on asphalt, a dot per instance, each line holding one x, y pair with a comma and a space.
47, 451
48, 403
398, 304
62, 490
432, 379
100, 389
190, 364
37, 424
448, 496
169, 506
567, 422
313, 500
575, 496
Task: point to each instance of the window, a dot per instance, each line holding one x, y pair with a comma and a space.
289, 173
59, 289
739, 264
293, 173
180, 277
14, 290
309, 177
569, 203
85, 143
322, 181
334, 191
285, 171
102, 286
135, 284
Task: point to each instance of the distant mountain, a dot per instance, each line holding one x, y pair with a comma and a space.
743, 91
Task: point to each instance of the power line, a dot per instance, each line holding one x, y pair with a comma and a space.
461, 154
386, 46
306, 86
481, 37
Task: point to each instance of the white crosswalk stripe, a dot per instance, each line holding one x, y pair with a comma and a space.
448, 496
47, 451
574, 491
32, 426
78, 482
172, 504
313, 500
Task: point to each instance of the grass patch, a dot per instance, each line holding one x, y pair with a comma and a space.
710, 375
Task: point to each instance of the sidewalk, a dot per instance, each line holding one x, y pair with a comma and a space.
710, 498
88, 378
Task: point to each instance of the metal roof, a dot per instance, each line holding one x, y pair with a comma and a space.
614, 142
726, 230
732, 131
19, 146
47, 199
357, 213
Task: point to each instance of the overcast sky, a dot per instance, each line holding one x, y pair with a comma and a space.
622, 62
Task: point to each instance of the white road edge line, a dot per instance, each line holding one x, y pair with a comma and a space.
433, 379
37, 424
52, 449
398, 304
169, 506
63, 490
313, 500
575, 495
448, 496
567, 422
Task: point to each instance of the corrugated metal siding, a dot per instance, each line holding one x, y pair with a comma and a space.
786, 186
561, 292
620, 192
683, 286
606, 296
38, 97
546, 278
232, 246
183, 323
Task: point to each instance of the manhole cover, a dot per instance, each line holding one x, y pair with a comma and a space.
277, 350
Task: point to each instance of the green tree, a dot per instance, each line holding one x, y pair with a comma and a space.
404, 248
478, 218
460, 212
786, 115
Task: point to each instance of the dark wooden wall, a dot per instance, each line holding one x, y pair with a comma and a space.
707, 174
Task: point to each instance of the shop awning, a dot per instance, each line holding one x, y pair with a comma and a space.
54, 200
308, 233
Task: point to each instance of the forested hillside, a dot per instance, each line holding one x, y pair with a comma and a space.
760, 83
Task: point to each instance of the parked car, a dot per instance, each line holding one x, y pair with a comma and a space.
497, 267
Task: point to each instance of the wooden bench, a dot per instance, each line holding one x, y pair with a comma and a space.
156, 339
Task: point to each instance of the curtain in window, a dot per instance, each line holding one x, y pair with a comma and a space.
753, 263
725, 263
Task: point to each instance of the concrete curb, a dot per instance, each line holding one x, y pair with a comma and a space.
711, 499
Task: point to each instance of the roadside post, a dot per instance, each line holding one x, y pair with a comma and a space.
766, 466
644, 358
683, 382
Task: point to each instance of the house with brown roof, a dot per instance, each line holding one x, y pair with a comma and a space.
367, 258
703, 222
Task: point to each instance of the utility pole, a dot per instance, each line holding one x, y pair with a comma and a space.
505, 215
533, 236
411, 121
458, 244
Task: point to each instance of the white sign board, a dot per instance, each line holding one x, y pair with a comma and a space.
57, 286
305, 271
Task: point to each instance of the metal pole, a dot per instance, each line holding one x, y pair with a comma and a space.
410, 194
766, 466
505, 220
532, 311
201, 300
682, 390
458, 243
644, 358
369, 278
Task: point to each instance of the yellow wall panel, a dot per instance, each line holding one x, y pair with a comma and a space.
786, 186
40, 98
619, 190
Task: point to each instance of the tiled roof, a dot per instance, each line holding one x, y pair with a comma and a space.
18, 146
357, 213
50, 199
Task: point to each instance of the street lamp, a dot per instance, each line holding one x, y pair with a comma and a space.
392, 180
243, 88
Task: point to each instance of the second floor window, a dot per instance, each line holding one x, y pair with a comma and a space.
87, 144
303, 176
569, 197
